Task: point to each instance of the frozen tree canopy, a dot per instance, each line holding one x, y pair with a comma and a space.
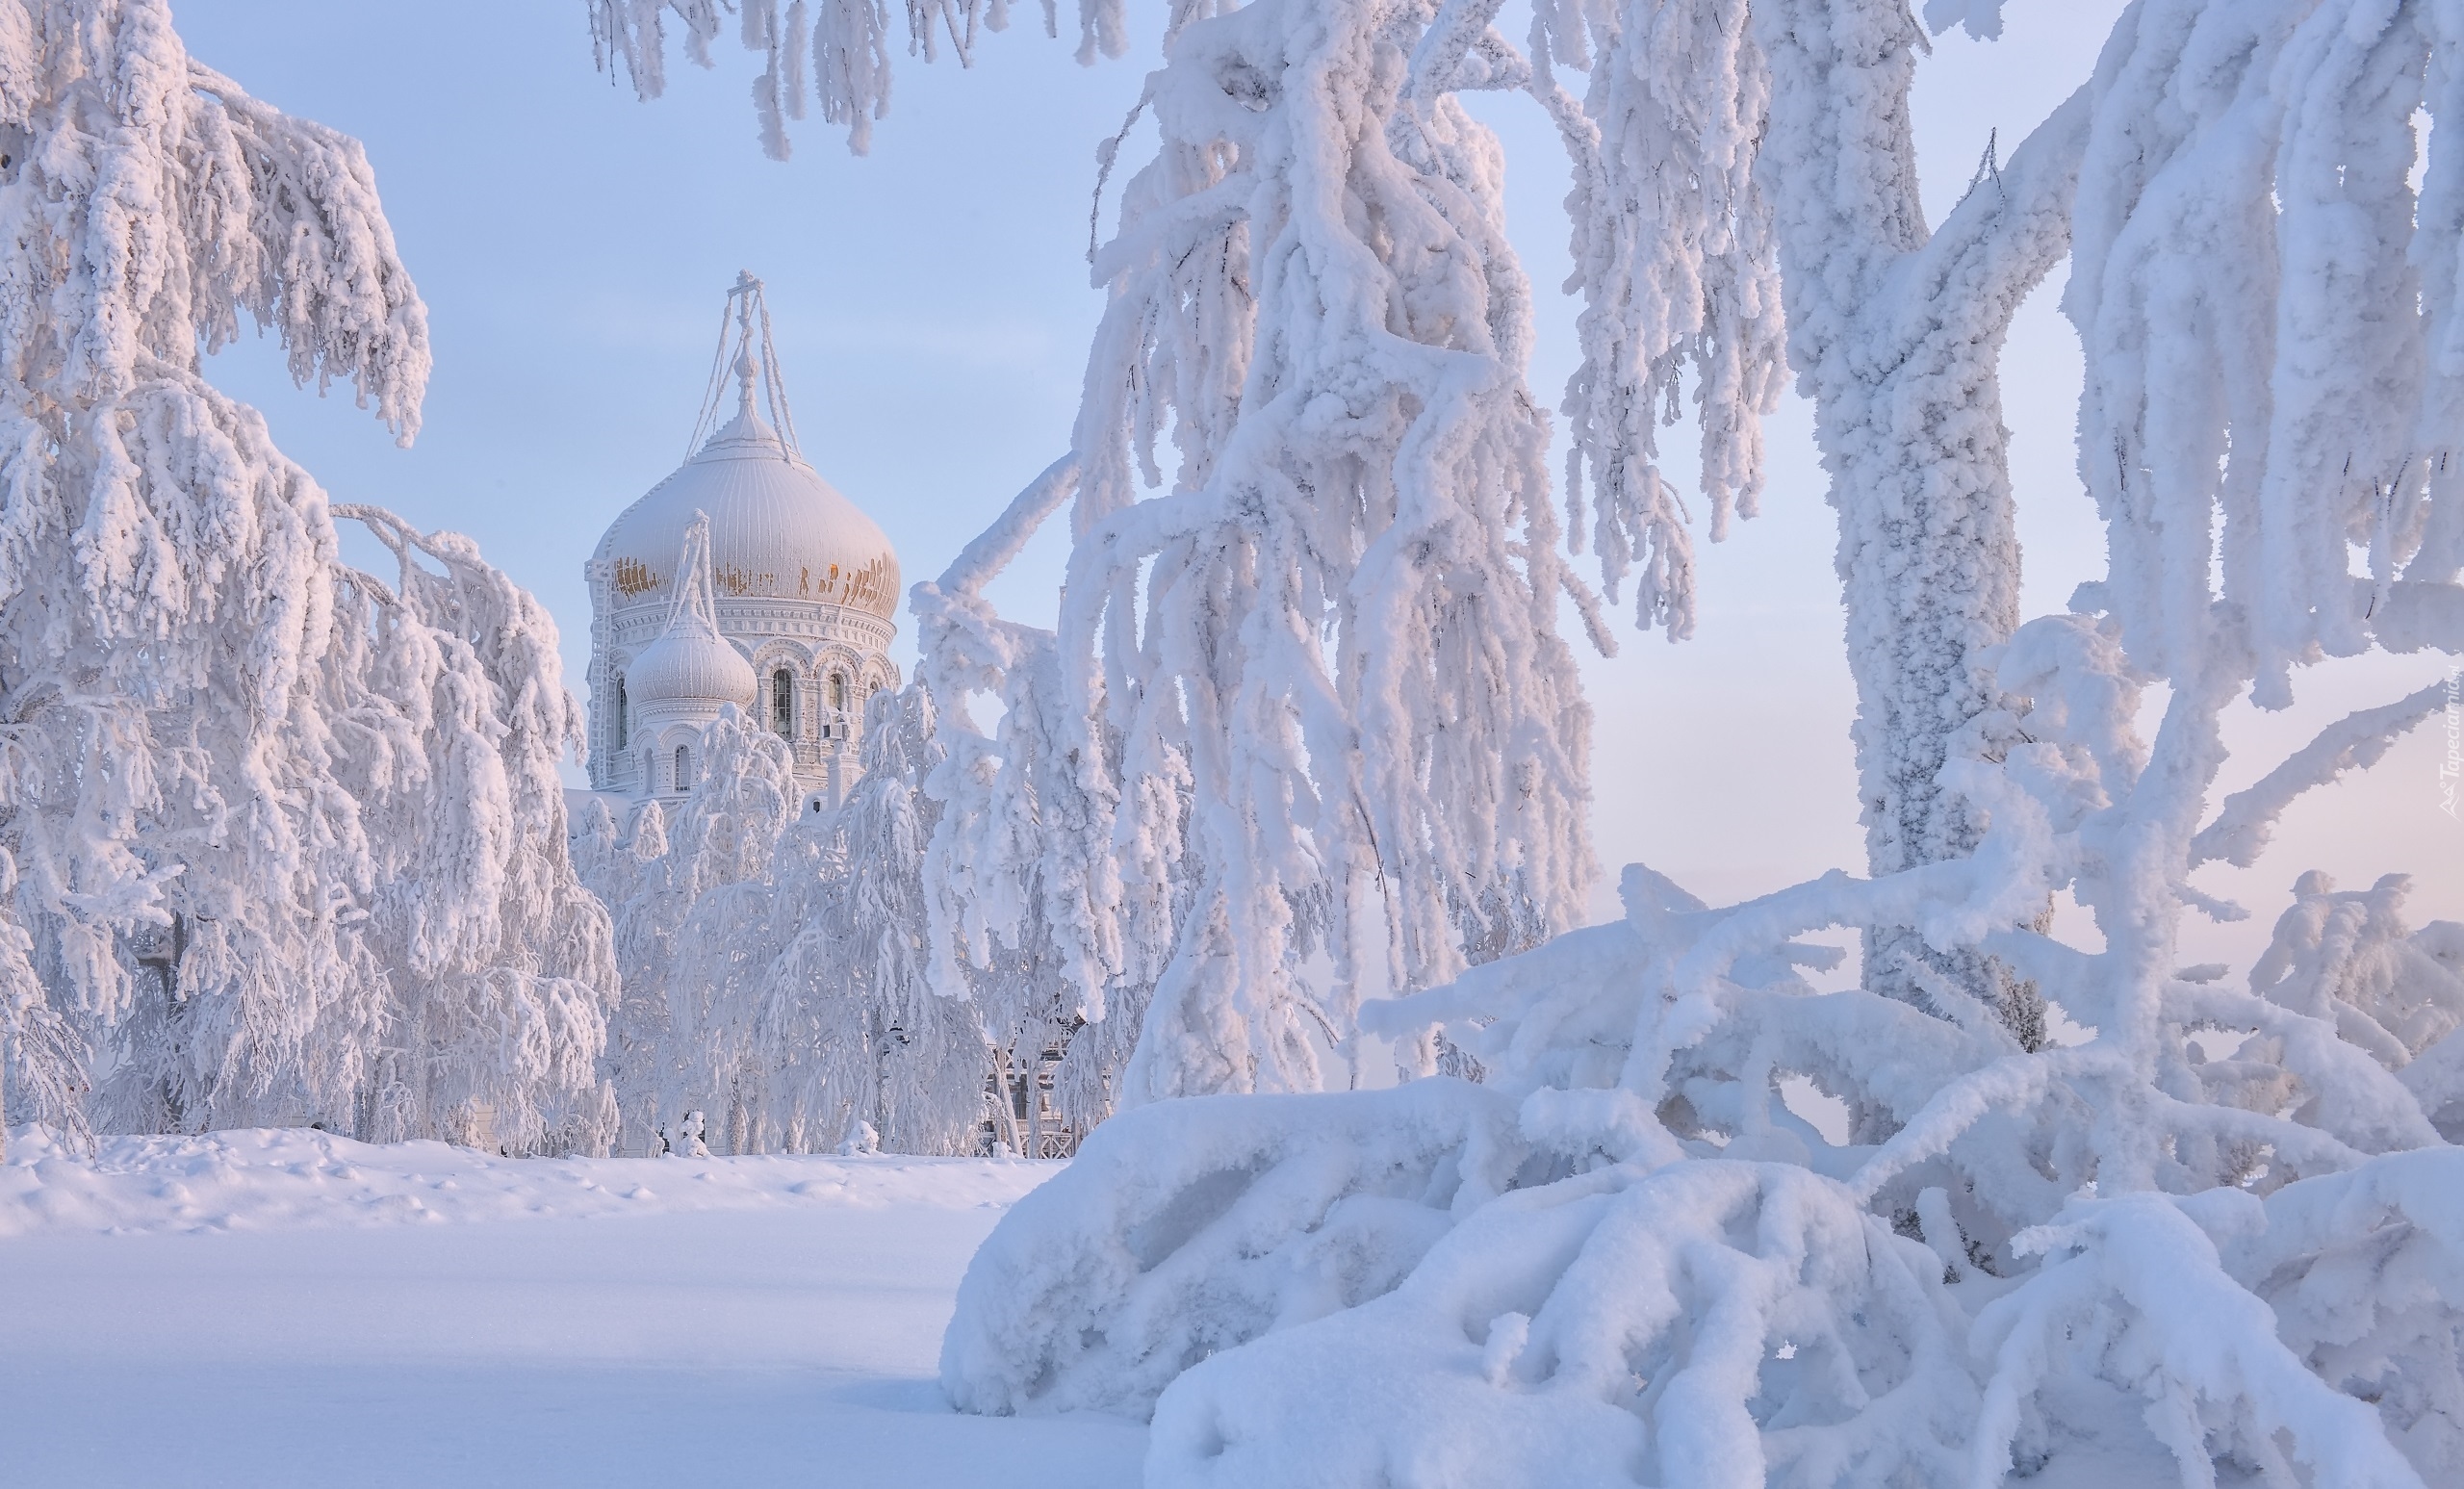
282, 840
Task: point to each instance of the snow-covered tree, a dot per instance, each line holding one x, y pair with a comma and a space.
1736, 160
774, 971
690, 939
597, 851
930, 1051
488, 967
1313, 694
2212, 1242
500, 963
287, 837
1016, 841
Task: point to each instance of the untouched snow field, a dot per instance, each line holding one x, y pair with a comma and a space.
272, 1308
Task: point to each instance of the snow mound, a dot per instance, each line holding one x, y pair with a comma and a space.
259, 1179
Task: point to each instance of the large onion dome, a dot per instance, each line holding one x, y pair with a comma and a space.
778, 530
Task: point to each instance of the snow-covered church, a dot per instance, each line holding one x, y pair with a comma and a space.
780, 603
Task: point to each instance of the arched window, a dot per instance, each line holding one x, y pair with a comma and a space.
623, 724
684, 767
838, 691
783, 702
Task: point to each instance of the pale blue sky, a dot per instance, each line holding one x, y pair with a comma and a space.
933, 307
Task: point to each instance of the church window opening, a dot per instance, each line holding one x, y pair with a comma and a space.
623, 724
783, 701
683, 766
838, 690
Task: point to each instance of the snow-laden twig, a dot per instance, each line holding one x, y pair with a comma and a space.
2357, 741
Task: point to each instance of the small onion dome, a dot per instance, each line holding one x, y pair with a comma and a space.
691, 668
691, 663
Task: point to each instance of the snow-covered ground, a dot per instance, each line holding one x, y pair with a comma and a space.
267, 1308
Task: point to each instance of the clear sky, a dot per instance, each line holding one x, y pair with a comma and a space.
933, 307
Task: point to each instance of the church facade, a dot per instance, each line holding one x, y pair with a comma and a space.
744, 579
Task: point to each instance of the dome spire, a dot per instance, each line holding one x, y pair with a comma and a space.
748, 366
760, 385
697, 605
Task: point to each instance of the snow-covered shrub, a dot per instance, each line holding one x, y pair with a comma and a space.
2346, 957
281, 840
1666, 1274
1715, 1323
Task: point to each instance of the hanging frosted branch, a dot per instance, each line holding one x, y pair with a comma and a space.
2269, 309
504, 967
1676, 258
833, 53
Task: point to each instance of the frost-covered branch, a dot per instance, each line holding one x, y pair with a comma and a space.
1674, 253
317, 263
2357, 741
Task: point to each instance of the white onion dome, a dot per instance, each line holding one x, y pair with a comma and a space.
691, 665
778, 530
691, 669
